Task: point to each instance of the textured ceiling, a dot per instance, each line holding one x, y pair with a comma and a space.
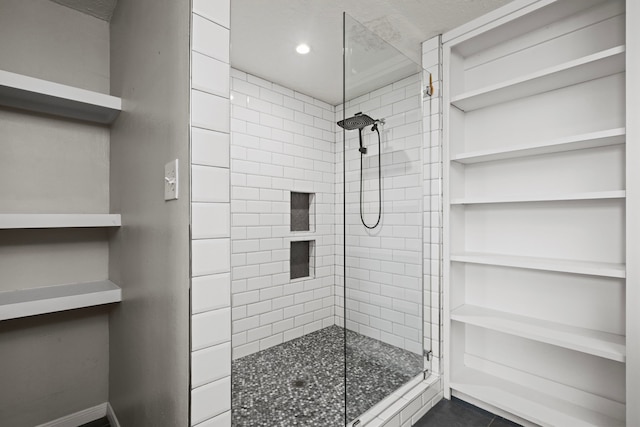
102, 9
264, 35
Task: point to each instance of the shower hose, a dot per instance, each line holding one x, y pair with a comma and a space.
370, 227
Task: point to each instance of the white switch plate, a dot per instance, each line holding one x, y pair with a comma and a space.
171, 180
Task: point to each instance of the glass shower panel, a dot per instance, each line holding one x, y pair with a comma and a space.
380, 198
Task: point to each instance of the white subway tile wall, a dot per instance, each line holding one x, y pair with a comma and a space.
384, 265
210, 400
207, 39
210, 216
281, 141
211, 363
222, 420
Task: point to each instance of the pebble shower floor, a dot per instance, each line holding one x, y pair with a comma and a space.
301, 382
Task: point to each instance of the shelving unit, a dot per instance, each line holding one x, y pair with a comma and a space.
591, 67
604, 269
577, 142
534, 210
51, 299
528, 403
601, 344
37, 95
596, 195
28, 93
12, 221
42, 96
60, 219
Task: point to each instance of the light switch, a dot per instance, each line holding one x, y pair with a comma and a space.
171, 180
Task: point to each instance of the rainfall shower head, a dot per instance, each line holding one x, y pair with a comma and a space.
356, 122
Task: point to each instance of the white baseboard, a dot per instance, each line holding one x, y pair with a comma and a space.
85, 416
111, 415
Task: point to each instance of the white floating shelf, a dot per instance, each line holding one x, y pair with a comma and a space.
51, 299
12, 221
600, 64
548, 264
576, 142
28, 93
528, 403
596, 195
602, 344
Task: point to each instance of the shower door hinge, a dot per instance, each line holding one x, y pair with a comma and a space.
428, 89
355, 423
428, 354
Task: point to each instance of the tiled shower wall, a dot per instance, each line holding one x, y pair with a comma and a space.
281, 141
210, 206
384, 265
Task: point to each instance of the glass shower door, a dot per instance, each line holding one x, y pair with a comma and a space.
382, 218
380, 195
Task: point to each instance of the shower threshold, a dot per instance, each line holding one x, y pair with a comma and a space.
301, 382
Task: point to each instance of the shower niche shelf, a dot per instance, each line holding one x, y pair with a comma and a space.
302, 259
602, 344
576, 142
23, 221
590, 268
51, 299
590, 67
42, 96
302, 212
595, 195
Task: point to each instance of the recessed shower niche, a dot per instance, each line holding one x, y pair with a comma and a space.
302, 211
301, 259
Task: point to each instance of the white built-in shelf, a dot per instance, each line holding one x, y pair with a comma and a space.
575, 142
12, 221
51, 299
528, 403
29, 93
594, 195
600, 64
604, 269
597, 343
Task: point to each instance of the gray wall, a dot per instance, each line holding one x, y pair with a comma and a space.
149, 255
52, 42
56, 364
52, 365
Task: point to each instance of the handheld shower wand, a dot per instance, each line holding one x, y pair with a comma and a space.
360, 121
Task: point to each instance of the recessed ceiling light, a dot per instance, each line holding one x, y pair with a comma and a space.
303, 49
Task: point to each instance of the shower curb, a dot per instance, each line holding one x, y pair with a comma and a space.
404, 407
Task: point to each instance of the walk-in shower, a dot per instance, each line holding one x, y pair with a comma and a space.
323, 346
361, 121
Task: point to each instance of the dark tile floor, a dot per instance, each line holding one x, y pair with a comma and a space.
457, 413
447, 413
301, 382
